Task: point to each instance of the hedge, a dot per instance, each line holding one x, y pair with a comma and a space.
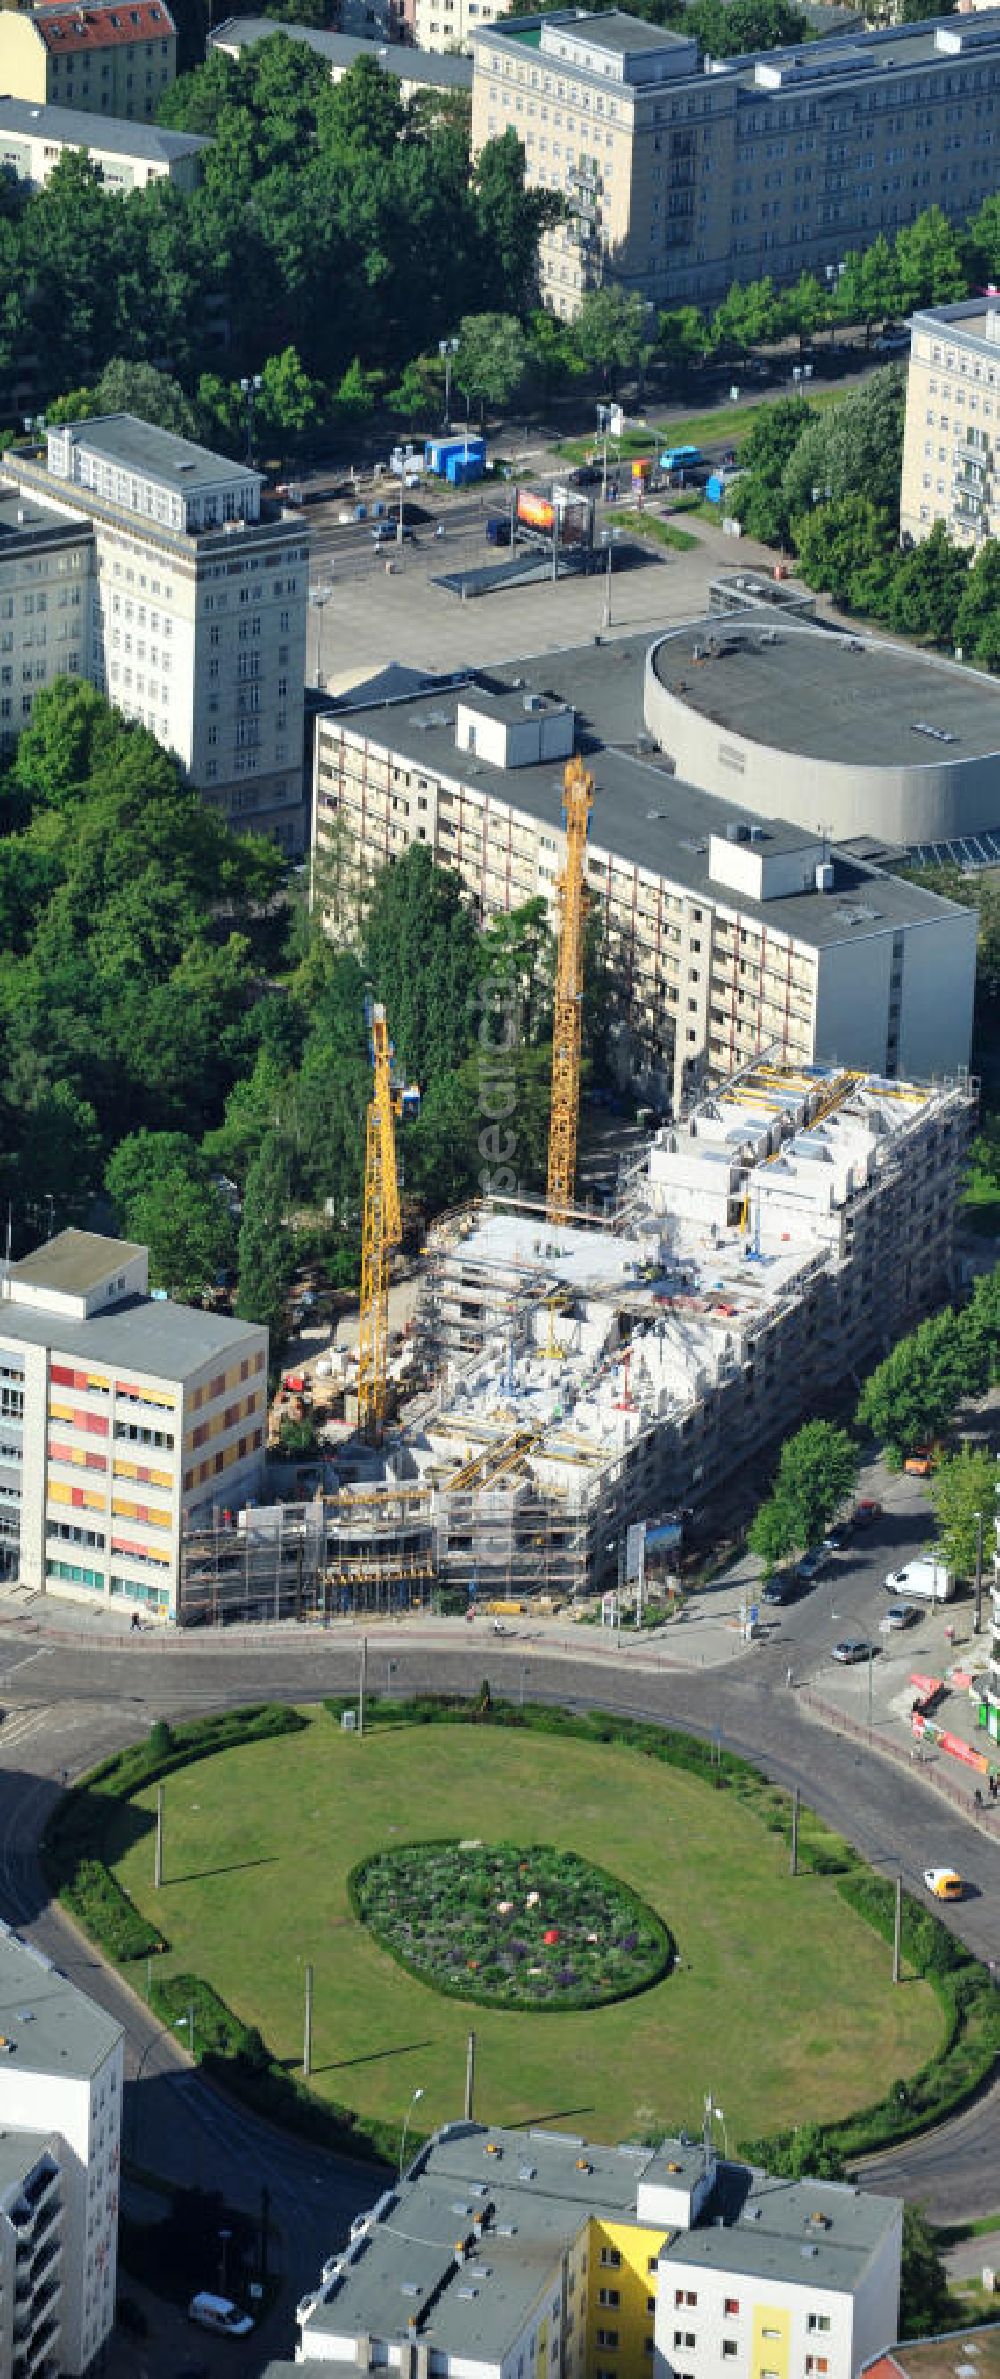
108, 1913
236, 2055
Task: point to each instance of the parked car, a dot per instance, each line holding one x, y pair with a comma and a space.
219, 2313
891, 342
898, 1615
866, 1512
783, 1588
385, 532
852, 1648
920, 1463
836, 1540
811, 1565
944, 1882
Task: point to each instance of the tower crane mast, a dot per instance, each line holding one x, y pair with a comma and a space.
567, 1012
381, 1231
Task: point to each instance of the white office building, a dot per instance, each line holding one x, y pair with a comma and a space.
197, 621
61, 2070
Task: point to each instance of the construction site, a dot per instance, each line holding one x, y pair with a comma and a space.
573, 1382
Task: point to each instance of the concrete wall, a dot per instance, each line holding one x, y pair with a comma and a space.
905, 804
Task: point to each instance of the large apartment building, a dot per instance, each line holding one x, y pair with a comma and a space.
726, 931
46, 581
114, 61
60, 2168
124, 1421
196, 622
683, 172
953, 423
531, 2254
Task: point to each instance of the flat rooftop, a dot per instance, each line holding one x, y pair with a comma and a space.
819, 2233
74, 1262
141, 446
519, 2199
22, 521
147, 1335
342, 50
832, 697
52, 2027
626, 35
28, 120
840, 60
642, 813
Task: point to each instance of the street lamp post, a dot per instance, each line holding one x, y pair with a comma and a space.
447, 350
251, 390
319, 597
418, 2094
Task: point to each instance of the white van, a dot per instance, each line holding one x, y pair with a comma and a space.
219, 2313
925, 1581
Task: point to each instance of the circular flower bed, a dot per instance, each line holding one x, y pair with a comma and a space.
514, 1927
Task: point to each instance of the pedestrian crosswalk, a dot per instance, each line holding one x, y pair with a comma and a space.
20, 1726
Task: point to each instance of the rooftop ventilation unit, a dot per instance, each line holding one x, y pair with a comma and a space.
937, 734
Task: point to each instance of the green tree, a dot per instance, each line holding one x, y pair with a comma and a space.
977, 619
816, 1471
491, 360
929, 267
907, 1400
265, 1254
683, 339
771, 1534
849, 549
421, 951
759, 500
868, 290
927, 587
517, 963
291, 403
749, 316
728, 28
128, 386
963, 1493
160, 1184
613, 332
925, 2307
416, 397
355, 399
508, 219
852, 448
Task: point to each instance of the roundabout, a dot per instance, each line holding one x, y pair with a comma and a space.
265, 1845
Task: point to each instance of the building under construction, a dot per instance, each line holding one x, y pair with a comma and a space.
577, 1376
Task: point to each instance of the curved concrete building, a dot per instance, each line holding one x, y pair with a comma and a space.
833, 731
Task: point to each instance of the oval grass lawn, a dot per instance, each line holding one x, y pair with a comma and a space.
781, 2003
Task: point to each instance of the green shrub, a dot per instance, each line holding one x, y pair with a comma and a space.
105, 1910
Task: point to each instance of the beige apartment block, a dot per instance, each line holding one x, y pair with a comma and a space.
683, 173
953, 422
726, 931
450, 24
46, 587
125, 156
110, 61
197, 621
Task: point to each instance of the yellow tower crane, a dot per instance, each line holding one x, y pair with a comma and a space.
381, 1232
566, 1021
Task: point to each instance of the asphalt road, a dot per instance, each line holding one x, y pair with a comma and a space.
67, 1704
